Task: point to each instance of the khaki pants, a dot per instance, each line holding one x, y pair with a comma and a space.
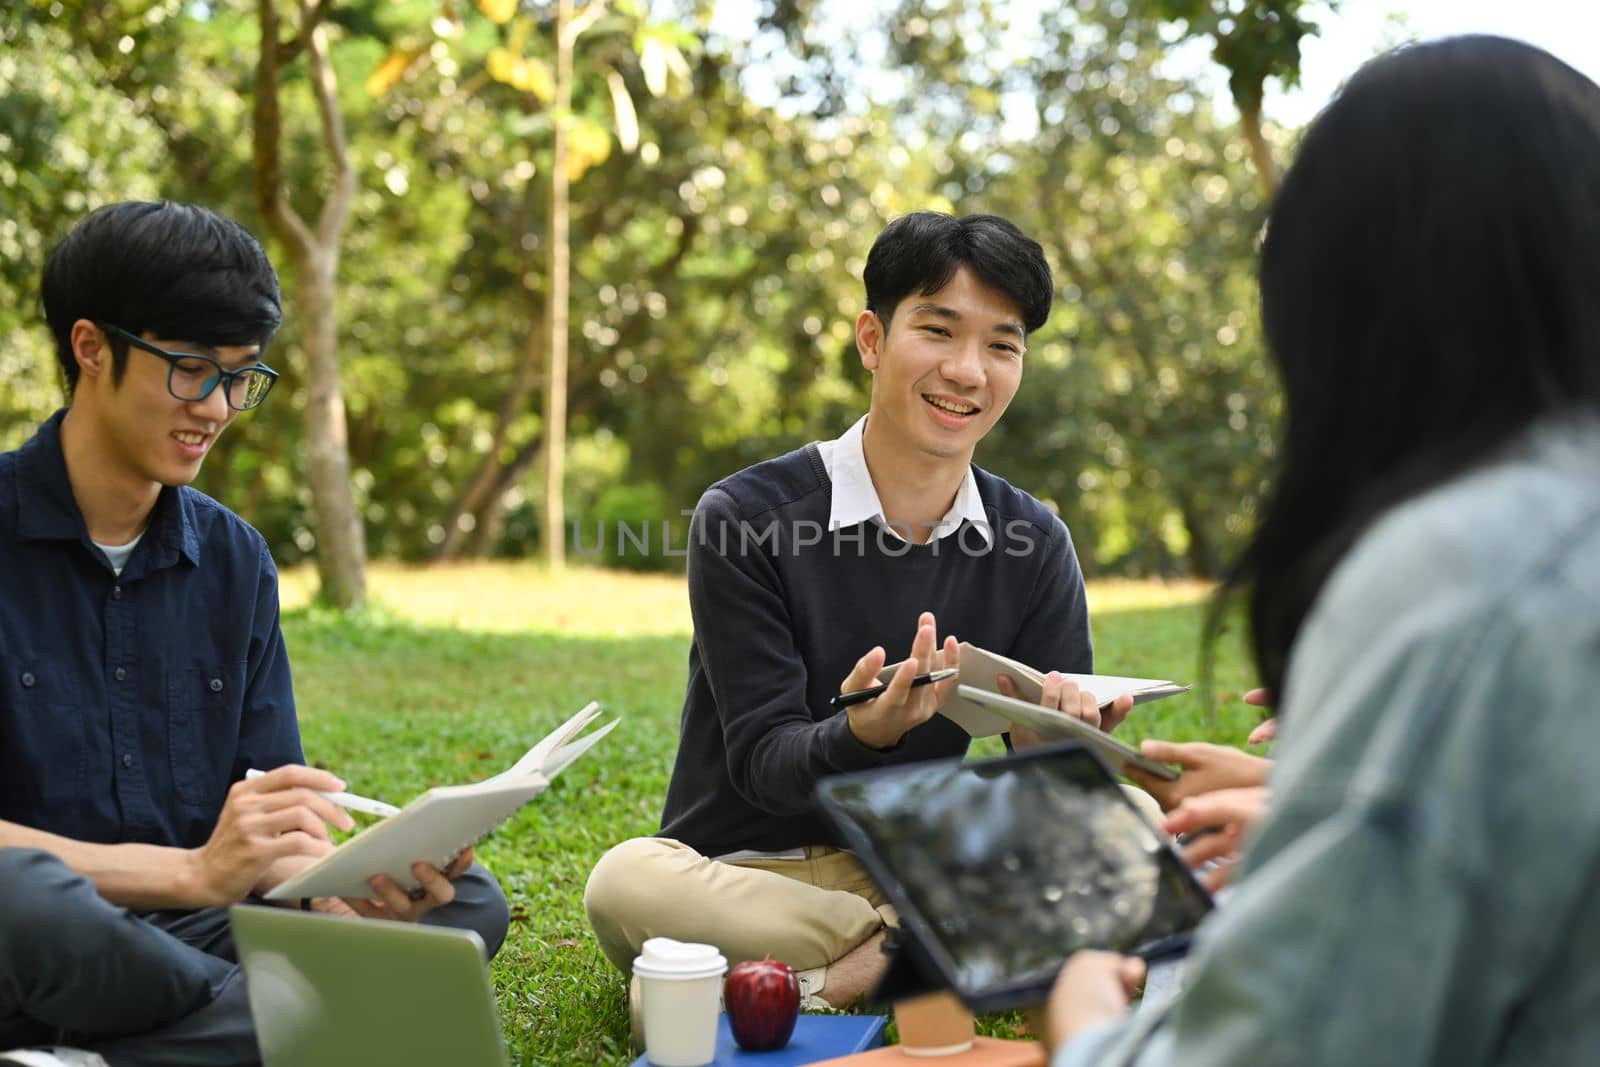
806, 912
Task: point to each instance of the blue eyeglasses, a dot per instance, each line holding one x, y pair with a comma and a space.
192, 376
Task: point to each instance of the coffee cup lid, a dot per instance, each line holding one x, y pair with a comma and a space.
662, 957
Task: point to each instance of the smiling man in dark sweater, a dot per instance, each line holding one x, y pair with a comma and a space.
803, 568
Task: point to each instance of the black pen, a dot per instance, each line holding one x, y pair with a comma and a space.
861, 696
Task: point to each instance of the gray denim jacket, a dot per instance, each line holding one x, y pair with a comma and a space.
1426, 889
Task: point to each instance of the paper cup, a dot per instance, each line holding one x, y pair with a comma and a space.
680, 983
935, 1025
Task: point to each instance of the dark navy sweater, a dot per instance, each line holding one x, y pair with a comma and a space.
783, 608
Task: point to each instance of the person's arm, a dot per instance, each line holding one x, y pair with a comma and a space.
262, 821
269, 731
776, 750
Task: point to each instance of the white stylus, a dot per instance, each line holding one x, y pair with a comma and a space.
350, 801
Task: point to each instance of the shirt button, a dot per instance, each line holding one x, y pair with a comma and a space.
27, 679
216, 685
119, 674
127, 760
116, 592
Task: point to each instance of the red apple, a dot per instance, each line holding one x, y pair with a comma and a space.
763, 999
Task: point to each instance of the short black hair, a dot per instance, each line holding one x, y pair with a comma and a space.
1429, 281
179, 271
921, 252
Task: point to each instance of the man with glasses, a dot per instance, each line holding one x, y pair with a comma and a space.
143, 672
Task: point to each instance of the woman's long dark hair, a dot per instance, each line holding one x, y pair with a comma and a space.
1430, 287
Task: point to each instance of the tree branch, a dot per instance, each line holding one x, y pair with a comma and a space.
268, 163
324, 87
289, 50
590, 14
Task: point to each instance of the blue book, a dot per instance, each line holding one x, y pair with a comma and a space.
816, 1037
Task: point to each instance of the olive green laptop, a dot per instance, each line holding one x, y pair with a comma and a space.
331, 992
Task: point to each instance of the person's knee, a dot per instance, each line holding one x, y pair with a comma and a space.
480, 906
620, 883
38, 891
43, 897
1146, 804
623, 896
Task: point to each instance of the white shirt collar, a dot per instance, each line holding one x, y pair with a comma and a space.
855, 498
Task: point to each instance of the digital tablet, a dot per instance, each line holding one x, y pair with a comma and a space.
1001, 869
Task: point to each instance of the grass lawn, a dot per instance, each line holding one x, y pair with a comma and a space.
459, 670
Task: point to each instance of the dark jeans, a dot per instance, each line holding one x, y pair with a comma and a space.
146, 988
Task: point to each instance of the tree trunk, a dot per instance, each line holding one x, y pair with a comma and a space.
484, 486
492, 518
314, 253
341, 539
1260, 151
555, 380
1201, 555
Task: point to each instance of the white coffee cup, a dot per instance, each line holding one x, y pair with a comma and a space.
680, 983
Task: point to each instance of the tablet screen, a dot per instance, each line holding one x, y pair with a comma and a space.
1004, 868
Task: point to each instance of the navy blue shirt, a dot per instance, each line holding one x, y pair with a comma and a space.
129, 704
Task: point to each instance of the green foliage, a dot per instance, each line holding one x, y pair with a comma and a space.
1253, 40
67, 143
715, 268
396, 701
632, 530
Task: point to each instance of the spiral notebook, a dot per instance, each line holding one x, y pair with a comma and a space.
436, 826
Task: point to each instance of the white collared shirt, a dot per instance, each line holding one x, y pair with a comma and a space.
855, 498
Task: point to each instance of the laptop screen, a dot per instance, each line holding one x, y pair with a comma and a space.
335, 992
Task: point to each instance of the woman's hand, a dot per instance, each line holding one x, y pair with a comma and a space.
1223, 820
1206, 769
1093, 988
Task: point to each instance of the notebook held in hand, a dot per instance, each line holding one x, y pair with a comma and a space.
436, 826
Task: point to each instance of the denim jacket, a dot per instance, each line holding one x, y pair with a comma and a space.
1424, 889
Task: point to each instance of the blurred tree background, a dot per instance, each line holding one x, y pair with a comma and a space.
724, 187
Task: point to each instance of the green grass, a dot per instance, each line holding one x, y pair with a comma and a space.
461, 669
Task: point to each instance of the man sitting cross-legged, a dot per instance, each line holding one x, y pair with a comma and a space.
804, 569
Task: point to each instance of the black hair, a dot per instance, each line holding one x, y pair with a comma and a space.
921, 252
1429, 280
179, 271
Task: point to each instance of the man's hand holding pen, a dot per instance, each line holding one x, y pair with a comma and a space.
881, 723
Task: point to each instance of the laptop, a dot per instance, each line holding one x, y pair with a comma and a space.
332, 992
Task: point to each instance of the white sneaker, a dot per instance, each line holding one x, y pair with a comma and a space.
811, 983
52, 1057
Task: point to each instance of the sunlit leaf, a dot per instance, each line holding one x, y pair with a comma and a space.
627, 119
391, 70
498, 11
588, 145
653, 63
502, 66
535, 76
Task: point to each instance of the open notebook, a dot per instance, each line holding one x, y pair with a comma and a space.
980, 668
437, 825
